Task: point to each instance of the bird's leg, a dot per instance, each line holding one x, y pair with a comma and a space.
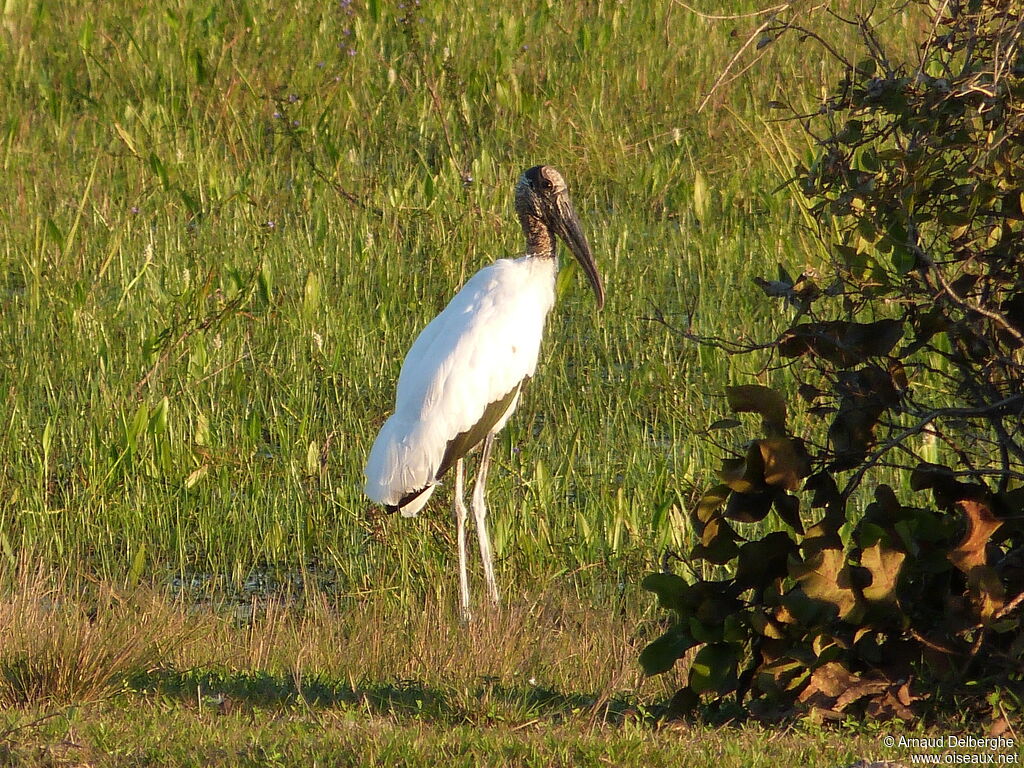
460, 525
480, 512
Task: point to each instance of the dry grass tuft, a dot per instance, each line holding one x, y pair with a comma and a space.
552, 640
60, 644
64, 642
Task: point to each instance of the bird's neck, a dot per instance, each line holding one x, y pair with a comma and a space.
539, 239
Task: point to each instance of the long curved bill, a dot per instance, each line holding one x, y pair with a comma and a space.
567, 227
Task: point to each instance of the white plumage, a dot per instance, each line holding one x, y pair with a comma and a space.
492, 331
461, 380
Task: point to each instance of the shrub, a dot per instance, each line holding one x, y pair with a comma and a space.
908, 349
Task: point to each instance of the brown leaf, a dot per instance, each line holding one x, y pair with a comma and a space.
717, 542
833, 686
998, 727
788, 508
841, 343
717, 528
852, 431
905, 697
987, 592
711, 502
764, 624
744, 475
888, 707
731, 472
884, 564
753, 398
826, 577
876, 339
764, 559
981, 524
749, 507
785, 462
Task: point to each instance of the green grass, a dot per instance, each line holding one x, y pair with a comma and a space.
118, 735
314, 680
227, 224
223, 225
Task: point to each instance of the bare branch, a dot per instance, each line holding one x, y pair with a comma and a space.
728, 67
959, 300
900, 438
734, 16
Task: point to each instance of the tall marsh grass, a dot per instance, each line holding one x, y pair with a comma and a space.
225, 223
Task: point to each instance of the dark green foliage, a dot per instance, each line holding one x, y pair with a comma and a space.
865, 597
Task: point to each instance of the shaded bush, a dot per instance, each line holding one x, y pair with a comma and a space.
908, 348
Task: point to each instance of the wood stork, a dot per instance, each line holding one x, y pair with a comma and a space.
462, 378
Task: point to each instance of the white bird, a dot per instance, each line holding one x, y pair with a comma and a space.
462, 378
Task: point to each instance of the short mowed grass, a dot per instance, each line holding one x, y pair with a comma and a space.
222, 226
185, 733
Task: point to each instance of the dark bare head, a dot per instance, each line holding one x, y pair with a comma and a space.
544, 208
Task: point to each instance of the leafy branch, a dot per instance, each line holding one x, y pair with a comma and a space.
856, 592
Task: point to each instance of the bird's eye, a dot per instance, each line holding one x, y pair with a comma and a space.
546, 184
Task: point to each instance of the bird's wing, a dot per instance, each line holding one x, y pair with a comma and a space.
463, 370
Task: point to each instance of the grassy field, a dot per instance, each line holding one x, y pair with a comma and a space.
226, 224
108, 735
116, 679
223, 224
